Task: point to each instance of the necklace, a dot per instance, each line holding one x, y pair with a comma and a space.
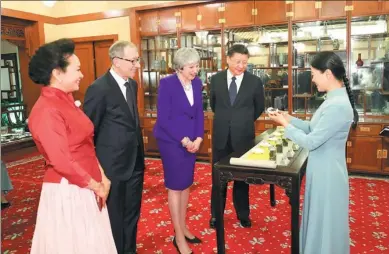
187, 87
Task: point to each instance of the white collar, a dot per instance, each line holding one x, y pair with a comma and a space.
229, 75
118, 79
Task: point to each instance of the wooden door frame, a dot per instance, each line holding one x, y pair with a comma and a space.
29, 38
90, 40
113, 37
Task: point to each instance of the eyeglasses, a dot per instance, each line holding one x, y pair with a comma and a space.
134, 61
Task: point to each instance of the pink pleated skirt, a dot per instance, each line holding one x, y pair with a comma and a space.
70, 222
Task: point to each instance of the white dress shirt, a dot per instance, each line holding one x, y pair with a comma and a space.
188, 89
189, 95
120, 82
238, 80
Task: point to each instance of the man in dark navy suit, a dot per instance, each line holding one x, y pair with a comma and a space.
110, 102
237, 100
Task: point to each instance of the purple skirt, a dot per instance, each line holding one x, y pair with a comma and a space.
178, 165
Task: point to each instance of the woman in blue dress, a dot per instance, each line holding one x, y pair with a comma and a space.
325, 222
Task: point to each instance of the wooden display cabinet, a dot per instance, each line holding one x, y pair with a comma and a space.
369, 78
366, 150
268, 48
296, 31
385, 158
151, 146
314, 10
157, 57
309, 38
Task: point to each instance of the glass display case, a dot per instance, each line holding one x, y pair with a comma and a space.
268, 48
157, 61
208, 44
369, 64
157, 57
309, 38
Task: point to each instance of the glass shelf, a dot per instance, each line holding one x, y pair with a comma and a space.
369, 64
309, 38
209, 45
157, 59
268, 48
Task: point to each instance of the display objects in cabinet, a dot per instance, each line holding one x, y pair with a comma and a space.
208, 46
310, 38
157, 62
268, 50
369, 64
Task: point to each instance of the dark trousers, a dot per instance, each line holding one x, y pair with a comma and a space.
124, 203
240, 191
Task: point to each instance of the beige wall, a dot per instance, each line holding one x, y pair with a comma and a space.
120, 26
70, 8
36, 7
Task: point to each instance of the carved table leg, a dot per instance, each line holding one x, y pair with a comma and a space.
272, 195
219, 214
295, 206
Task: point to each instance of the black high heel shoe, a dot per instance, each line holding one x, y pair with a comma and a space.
176, 246
193, 240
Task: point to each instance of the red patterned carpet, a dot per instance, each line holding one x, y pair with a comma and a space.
369, 215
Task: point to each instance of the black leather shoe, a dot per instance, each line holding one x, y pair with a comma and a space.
246, 223
212, 223
5, 205
193, 240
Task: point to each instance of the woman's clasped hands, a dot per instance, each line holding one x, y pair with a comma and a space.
192, 146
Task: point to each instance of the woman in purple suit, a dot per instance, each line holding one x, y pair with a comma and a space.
179, 132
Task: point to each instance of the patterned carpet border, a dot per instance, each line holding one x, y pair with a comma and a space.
23, 161
35, 158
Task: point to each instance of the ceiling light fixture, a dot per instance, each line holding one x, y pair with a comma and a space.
49, 3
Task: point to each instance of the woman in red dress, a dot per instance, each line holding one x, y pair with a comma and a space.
72, 216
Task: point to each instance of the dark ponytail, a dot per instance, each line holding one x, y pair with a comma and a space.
351, 98
328, 60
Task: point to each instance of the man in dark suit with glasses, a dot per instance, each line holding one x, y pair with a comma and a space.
111, 104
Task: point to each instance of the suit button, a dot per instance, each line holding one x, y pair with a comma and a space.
191, 117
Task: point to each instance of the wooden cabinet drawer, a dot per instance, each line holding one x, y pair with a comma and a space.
262, 125
207, 124
364, 154
149, 122
205, 148
366, 130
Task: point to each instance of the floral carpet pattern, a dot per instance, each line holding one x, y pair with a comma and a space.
369, 214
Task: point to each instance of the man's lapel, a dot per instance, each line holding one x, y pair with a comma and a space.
224, 88
118, 94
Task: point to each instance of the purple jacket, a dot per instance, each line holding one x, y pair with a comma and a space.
176, 118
